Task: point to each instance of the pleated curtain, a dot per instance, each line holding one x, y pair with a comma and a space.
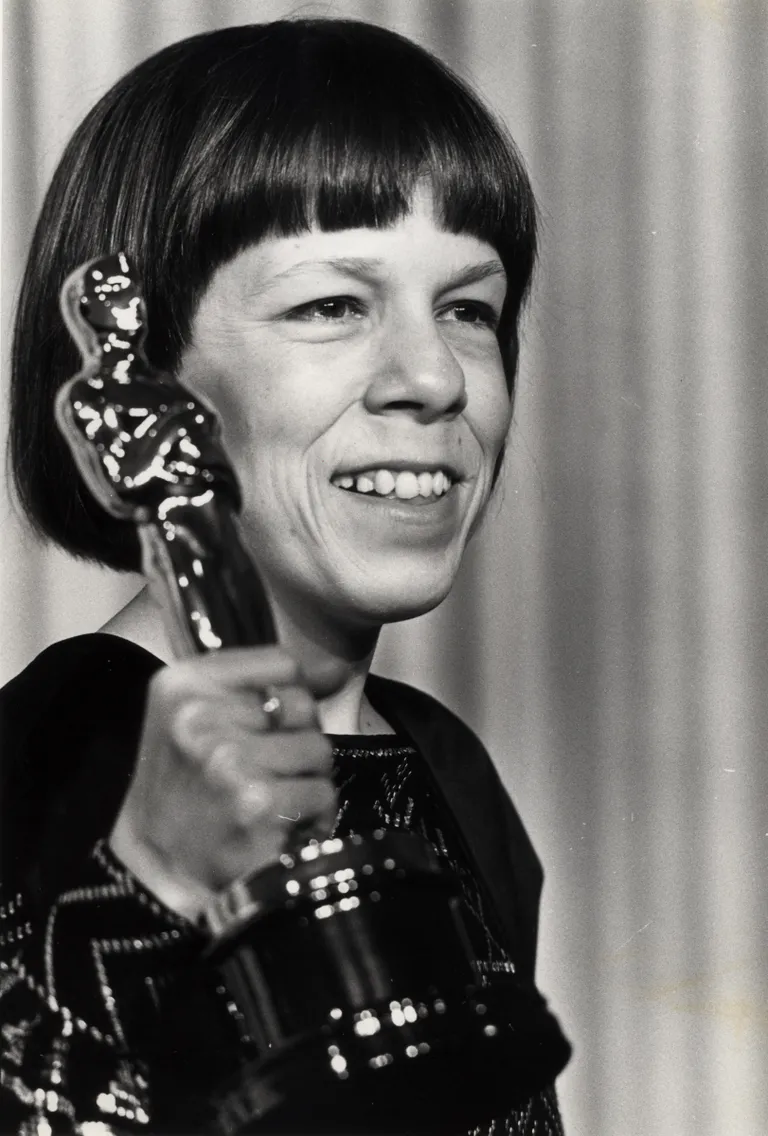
607, 637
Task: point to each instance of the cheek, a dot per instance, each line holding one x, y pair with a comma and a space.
254, 418
220, 375
492, 415
236, 419
489, 408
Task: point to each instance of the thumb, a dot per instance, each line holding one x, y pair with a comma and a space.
324, 676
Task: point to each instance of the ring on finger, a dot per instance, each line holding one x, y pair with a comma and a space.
272, 707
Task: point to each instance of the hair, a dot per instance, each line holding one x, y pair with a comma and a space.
214, 143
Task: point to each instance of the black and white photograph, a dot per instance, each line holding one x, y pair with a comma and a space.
384, 568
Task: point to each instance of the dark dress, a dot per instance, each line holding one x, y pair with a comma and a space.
82, 942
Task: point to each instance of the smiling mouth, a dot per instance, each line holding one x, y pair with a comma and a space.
397, 485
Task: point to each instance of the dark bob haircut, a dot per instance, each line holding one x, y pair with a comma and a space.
214, 143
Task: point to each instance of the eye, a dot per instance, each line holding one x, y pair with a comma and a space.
472, 312
334, 309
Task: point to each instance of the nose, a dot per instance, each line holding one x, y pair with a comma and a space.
417, 373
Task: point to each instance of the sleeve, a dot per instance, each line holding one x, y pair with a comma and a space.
78, 996
100, 984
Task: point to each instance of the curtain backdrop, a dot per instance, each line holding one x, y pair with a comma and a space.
607, 638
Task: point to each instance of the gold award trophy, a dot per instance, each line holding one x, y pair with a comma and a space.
344, 968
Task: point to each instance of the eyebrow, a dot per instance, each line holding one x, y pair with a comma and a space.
364, 269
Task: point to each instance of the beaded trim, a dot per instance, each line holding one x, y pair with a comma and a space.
35, 1041
106, 860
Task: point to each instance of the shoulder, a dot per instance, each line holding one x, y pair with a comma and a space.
436, 729
69, 728
63, 665
71, 686
473, 790
459, 761
400, 698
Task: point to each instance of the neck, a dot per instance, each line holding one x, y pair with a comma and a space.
303, 633
307, 634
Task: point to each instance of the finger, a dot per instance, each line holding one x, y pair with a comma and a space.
323, 676
283, 804
245, 712
247, 668
281, 708
308, 810
243, 757
197, 725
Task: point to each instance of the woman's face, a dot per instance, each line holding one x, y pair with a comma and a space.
364, 404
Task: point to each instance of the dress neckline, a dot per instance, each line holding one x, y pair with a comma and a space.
398, 741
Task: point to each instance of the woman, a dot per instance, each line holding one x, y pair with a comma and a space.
335, 240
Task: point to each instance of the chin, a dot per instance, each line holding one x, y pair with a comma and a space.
398, 599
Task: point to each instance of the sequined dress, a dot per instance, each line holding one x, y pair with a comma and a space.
383, 784
64, 1064
79, 971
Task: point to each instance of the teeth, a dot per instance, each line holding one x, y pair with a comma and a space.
404, 485
384, 482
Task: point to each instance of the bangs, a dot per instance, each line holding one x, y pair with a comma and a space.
350, 132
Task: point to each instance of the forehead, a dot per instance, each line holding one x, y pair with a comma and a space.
414, 244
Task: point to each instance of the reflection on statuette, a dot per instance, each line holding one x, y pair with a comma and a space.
139, 436
150, 451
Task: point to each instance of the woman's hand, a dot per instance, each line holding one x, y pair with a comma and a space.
216, 792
